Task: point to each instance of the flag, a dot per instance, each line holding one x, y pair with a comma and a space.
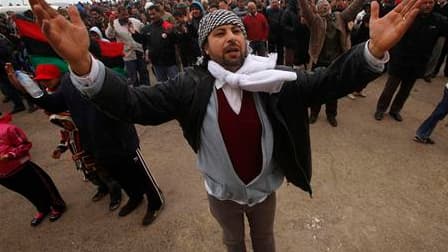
40, 52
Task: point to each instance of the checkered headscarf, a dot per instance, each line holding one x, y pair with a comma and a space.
217, 18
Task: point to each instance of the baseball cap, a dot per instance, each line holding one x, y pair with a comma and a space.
47, 72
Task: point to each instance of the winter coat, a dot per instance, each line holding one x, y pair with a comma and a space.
186, 99
409, 57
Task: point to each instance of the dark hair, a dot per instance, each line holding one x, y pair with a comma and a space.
121, 8
96, 9
154, 7
179, 12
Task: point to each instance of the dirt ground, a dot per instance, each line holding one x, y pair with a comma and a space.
374, 190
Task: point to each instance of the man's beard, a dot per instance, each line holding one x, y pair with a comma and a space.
232, 64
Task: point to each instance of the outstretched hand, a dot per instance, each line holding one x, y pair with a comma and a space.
387, 31
9, 69
69, 39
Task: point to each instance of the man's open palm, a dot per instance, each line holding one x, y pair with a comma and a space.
69, 39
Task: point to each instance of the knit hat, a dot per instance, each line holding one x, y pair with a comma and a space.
217, 18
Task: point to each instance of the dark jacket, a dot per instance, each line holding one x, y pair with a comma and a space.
186, 98
160, 40
290, 23
409, 57
274, 17
102, 136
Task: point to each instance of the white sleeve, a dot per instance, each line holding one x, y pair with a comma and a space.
374, 63
91, 83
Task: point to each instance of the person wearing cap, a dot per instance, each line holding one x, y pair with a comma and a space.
114, 144
245, 118
21, 175
49, 76
197, 12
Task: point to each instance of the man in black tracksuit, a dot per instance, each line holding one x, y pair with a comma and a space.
114, 145
408, 60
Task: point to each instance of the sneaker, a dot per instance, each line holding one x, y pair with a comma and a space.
423, 140
379, 116
55, 215
351, 96
38, 218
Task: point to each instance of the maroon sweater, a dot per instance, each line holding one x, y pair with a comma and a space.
242, 136
257, 27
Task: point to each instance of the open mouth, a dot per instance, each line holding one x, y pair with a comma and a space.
232, 50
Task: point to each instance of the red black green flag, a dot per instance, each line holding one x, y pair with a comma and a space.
41, 52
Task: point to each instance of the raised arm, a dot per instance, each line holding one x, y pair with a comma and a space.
350, 12
306, 10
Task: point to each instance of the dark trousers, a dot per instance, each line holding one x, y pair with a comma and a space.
230, 216
331, 109
135, 178
277, 47
391, 86
34, 184
289, 56
106, 183
439, 113
9, 91
442, 59
258, 47
136, 71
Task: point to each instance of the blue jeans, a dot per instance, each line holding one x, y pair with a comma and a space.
137, 72
163, 73
425, 130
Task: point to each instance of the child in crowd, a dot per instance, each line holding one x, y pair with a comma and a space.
18, 173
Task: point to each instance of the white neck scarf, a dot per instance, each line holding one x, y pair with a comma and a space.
256, 75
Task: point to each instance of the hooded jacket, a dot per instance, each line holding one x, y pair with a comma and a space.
13, 142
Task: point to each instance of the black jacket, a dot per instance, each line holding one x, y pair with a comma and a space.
102, 136
274, 17
185, 99
409, 57
160, 42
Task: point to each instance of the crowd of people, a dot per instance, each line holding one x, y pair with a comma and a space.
215, 63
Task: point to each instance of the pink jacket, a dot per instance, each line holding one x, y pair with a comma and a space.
13, 142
